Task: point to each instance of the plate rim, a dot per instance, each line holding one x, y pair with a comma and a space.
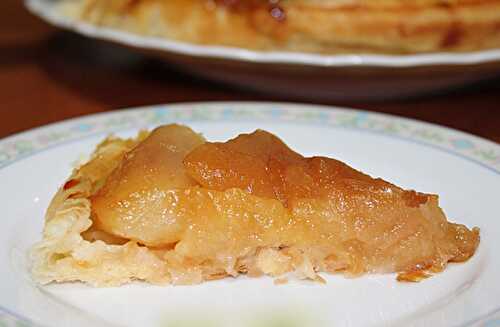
42, 9
468, 146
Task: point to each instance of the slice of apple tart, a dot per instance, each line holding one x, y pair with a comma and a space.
169, 207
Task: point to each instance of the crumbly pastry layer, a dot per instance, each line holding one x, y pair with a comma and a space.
318, 26
169, 207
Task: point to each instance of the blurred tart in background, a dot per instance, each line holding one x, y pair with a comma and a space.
314, 26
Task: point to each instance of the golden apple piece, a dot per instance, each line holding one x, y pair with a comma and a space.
132, 202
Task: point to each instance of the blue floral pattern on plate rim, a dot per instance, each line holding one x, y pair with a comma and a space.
469, 147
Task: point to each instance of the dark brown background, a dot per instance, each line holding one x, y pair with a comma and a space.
46, 75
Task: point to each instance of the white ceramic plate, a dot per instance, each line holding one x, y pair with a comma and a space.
463, 169
308, 75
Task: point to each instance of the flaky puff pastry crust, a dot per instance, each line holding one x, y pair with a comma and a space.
64, 255
317, 26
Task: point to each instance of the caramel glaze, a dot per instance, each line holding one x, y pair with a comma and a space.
252, 201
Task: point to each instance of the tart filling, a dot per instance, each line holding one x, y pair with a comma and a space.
169, 207
318, 26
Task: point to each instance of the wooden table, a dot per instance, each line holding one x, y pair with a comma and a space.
46, 76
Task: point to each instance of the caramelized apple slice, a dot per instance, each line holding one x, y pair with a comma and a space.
253, 162
263, 165
131, 203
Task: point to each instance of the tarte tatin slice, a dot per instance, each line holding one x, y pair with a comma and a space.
169, 207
